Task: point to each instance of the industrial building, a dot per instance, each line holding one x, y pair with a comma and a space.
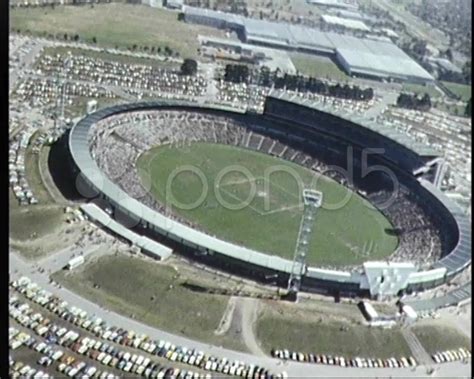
235, 50
345, 22
338, 4
376, 58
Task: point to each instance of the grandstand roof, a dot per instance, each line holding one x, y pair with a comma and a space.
461, 256
379, 127
79, 148
332, 275
151, 246
451, 298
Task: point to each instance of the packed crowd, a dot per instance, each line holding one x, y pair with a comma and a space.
110, 341
419, 239
118, 141
328, 359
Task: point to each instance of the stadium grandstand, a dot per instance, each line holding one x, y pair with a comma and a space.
434, 240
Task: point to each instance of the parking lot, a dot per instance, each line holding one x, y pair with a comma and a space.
86, 343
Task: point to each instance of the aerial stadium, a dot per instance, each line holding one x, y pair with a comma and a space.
236, 178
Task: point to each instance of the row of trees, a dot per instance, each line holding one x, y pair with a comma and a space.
413, 101
189, 67
237, 73
264, 77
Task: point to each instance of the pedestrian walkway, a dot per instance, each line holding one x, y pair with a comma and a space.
417, 348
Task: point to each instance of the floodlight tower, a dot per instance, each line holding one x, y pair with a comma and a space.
312, 201
63, 83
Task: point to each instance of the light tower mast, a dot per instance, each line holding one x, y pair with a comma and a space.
312, 201
63, 83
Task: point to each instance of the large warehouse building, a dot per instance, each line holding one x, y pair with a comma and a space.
365, 57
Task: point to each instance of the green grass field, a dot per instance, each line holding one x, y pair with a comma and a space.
269, 221
280, 330
420, 89
437, 337
154, 294
318, 67
462, 90
452, 109
33, 221
113, 24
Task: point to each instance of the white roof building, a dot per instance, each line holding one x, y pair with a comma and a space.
345, 22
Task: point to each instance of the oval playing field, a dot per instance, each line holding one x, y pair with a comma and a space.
253, 199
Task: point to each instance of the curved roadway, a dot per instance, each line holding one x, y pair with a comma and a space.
19, 267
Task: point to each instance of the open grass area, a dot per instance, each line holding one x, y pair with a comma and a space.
461, 90
33, 175
114, 24
435, 337
268, 219
318, 67
109, 57
452, 109
33, 221
279, 330
420, 89
30, 226
153, 293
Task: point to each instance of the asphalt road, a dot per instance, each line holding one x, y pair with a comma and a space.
19, 267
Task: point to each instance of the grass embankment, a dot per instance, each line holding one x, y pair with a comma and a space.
153, 293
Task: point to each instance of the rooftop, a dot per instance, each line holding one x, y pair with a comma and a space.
362, 55
346, 22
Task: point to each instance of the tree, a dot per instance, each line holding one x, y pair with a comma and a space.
94, 40
189, 67
449, 54
466, 70
76, 37
467, 111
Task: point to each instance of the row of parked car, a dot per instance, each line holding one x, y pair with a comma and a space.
107, 355
67, 363
451, 355
344, 362
21, 370
100, 329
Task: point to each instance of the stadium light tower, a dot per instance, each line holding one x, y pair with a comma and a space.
312, 201
66, 63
